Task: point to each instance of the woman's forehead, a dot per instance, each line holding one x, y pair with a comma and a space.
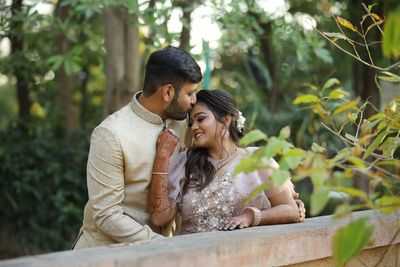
199, 108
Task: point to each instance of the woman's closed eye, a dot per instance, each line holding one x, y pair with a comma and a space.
200, 119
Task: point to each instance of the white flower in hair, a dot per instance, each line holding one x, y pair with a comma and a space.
240, 121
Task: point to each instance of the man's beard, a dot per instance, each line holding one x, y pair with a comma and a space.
175, 111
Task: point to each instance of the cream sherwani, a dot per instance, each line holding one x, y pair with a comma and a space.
121, 156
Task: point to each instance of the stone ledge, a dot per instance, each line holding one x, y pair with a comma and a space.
276, 245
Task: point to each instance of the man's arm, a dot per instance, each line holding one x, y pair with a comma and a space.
105, 179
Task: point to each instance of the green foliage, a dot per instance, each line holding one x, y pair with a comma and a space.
391, 39
260, 55
252, 137
262, 59
319, 199
371, 149
43, 185
350, 240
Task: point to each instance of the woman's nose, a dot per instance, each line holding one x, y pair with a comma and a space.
194, 126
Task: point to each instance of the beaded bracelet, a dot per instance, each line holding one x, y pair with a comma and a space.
256, 215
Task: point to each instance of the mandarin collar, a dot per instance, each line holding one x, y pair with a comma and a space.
143, 113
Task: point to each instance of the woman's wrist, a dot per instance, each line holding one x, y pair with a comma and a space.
161, 167
256, 213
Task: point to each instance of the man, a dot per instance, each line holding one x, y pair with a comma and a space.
123, 146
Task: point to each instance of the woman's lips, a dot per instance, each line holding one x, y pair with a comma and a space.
197, 135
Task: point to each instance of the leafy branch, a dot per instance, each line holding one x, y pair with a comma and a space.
333, 37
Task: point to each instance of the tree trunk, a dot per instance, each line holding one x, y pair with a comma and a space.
149, 41
185, 33
66, 82
269, 61
123, 60
364, 76
187, 7
19, 63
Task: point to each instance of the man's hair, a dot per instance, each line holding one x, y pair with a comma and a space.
170, 65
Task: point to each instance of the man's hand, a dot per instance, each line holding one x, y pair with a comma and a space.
166, 143
300, 205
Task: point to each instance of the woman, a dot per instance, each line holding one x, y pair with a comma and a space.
201, 186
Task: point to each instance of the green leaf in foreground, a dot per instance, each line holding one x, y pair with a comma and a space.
317, 148
292, 158
350, 239
255, 192
303, 99
342, 211
353, 192
337, 94
279, 177
347, 106
253, 136
284, 133
378, 140
330, 83
388, 204
319, 199
247, 165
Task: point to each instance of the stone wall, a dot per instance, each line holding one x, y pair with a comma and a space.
303, 244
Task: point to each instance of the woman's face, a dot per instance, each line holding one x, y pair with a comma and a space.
206, 130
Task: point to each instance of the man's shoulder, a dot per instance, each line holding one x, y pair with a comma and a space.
120, 119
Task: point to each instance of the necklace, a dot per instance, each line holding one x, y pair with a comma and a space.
221, 163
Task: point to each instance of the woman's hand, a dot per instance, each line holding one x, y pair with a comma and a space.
300, 205
166, 143
242, 221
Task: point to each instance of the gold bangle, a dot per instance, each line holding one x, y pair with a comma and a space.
256, 215
160, 173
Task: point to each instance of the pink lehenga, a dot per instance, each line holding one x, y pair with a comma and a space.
204, 210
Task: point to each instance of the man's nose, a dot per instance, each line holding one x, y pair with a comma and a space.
193, 99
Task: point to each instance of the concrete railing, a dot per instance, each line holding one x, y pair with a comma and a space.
303, 244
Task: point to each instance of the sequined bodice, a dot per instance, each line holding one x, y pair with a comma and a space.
204, 210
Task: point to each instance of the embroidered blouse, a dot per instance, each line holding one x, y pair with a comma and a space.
205, 210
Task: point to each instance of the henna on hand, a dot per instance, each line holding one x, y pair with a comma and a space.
159, 200
166, 144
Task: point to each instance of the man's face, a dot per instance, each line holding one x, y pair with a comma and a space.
182, 104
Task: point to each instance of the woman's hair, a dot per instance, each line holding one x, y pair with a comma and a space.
198, 168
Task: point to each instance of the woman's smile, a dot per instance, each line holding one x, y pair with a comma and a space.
197, 135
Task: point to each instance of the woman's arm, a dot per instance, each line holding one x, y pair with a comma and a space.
160, 205
283, 210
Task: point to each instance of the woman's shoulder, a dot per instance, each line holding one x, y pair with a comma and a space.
251, 149
247, 151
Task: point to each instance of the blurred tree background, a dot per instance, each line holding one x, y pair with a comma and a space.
66, 64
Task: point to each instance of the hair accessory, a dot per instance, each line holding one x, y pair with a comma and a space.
256, 215
240, 121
